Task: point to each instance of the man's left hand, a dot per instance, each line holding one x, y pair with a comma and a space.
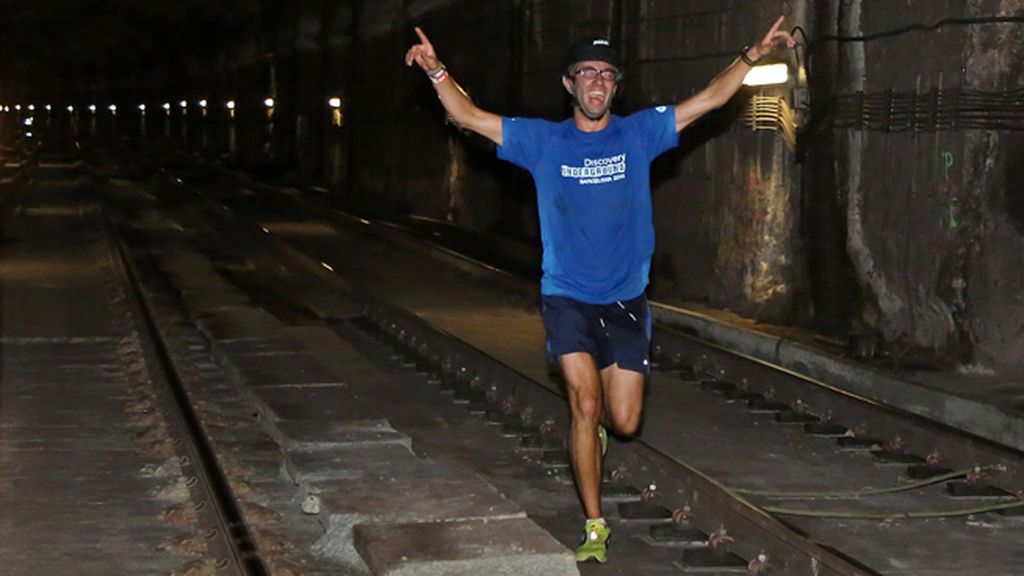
772, 41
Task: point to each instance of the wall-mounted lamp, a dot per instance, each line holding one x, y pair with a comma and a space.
767, 75
230, 105
71, 109
269, 104
17, 107
49, 108
770, 110
113, 109
31, 107
336, 117
202, 106
92, 108
142, 109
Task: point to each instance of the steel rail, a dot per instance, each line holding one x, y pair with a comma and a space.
227, 537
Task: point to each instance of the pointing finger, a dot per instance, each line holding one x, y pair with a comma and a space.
423, 37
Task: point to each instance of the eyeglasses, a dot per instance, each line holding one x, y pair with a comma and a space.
589, 73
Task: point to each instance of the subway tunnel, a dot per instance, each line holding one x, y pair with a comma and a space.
884, 201
866, 203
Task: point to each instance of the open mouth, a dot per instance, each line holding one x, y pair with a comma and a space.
597, 99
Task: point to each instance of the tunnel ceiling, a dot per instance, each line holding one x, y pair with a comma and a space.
46, 39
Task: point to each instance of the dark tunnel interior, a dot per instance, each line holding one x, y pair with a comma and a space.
877, 190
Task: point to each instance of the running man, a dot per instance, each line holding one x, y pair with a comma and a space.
592, 174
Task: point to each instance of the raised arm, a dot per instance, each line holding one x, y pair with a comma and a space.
728, 82
454, 99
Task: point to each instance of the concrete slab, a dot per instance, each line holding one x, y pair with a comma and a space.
315, 436
424, 492
279, 370
187, 267
270, 345
241, 322
467, 548
353, 462
330, 305
339, 355
311, 403
205, 302
31, 435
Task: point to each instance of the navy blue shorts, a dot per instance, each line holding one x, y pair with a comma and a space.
616, 333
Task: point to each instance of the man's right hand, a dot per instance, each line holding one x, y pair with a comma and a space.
456, 102
423, 54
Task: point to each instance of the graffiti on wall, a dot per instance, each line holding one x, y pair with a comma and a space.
949, 192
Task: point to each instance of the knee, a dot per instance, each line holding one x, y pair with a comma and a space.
586, 405
627, 424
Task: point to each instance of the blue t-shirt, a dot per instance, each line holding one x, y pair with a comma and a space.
594, 199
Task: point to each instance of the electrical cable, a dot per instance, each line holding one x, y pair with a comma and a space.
866, 492
938, 110
895, 515
945, 109
921, 27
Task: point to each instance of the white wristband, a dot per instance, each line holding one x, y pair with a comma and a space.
439, 75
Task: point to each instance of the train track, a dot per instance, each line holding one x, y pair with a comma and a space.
824, 463
225, 534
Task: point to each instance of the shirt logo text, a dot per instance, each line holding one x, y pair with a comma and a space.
597, 170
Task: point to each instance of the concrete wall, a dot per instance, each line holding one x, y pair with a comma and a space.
930, 212
867, 223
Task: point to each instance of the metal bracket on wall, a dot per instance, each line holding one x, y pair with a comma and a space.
771, 113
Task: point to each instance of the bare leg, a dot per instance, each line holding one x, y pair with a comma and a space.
585, 399
623, 394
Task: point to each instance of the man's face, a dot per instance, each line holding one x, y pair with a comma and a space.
593, 84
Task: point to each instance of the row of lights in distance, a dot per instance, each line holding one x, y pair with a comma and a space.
334, 103
763, 75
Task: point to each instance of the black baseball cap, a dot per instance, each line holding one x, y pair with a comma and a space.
592, 48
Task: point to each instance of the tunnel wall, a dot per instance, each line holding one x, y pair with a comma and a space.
930, 202
907, 223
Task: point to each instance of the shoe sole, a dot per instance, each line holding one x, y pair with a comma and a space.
589, 557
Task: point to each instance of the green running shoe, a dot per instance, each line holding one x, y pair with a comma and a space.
602, 435
595, 542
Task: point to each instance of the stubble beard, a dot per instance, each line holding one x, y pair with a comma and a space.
593, 115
